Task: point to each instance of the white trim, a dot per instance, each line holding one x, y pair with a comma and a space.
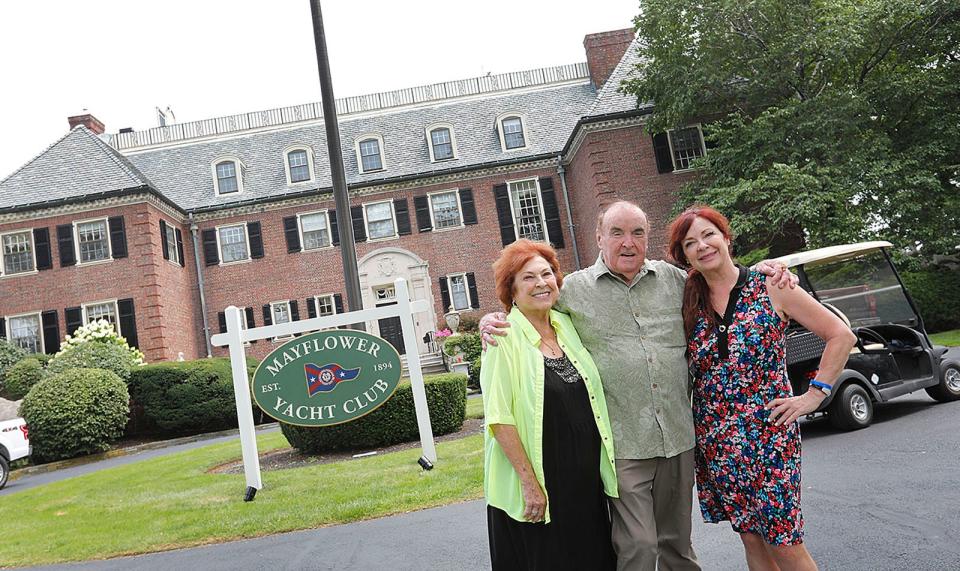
172, 249
366, 222
513, 214
383, 158
274, 322
238, 168
286, 164
466, 289
453, 141
116, 312
333, 303
39, 314
76, 241
523, 126
33, 253
433, 221
673, 158
326, 214
246, 238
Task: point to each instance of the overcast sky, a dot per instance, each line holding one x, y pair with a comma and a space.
119, 60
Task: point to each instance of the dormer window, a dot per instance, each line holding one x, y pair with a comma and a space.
369, 153
513, 132
299, 165
227, 176
442, 142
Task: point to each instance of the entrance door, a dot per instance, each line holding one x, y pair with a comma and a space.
392, 333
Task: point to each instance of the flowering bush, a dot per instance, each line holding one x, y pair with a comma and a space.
101, 331
442, 333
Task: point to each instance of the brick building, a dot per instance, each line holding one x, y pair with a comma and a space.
159, 230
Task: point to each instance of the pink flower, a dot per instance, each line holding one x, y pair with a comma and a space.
443, 333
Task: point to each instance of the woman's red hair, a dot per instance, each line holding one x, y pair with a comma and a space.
696, 291
511, 261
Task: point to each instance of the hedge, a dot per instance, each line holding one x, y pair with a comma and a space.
95, 355
21, 377
395, 421
76, 412
937, 294
10, 354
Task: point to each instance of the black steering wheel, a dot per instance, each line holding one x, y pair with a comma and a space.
870, 336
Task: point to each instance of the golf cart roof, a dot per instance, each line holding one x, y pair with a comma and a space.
832, 253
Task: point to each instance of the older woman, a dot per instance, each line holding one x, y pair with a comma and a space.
747, 437
548, 463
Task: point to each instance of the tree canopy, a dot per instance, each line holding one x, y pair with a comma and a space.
829, 120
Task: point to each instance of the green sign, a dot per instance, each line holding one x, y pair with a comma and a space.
327, 378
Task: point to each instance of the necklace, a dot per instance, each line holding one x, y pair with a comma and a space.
554, 350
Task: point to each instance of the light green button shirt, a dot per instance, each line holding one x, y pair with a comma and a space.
635, 334
511, 378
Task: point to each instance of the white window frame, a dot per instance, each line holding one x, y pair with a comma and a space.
383, 154
366, 222
76, 241
172, 250
116, 311
274, 321
33, 252
303, 243
433, 220
9, 328
513, 213
673, 157
333, 303
453, 141
523, 125
246, 237
237, 165
286, 164
466, 290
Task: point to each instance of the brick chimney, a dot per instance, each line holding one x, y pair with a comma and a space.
88, 121
604, 52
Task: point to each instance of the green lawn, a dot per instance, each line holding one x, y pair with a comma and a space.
948, 338
475, 408
172, 502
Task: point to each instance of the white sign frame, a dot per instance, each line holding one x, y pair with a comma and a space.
237, 336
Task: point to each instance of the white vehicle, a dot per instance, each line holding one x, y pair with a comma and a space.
14, 445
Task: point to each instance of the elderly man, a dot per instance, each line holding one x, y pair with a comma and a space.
626, 309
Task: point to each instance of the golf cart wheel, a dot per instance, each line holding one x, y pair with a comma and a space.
4, 471
949, 387
852, 408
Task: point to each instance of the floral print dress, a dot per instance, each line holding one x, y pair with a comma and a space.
748, 469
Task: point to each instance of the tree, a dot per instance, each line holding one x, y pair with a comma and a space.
828, 120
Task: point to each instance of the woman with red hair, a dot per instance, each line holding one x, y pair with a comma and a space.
548, 458
747, 436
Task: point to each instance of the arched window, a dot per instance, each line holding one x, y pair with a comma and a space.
299, 164
227, 176
442, 142
370, 153
513, 131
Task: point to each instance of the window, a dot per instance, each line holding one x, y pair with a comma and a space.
280, 312
228, 182
326, 305
445, 210
686, 145
368, 149
299, 165
512, 132
442, 143
18, 252
172, 249
25, 332
233, 243
314, 231
380, 223
93, 241
459, 296
102, 310
527, 215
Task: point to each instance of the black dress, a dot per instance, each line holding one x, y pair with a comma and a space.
578, 535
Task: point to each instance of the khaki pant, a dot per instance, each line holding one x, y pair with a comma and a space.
651, 517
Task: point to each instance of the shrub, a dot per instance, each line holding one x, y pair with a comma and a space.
100, 331
42, 358
467, 343
80, 411
9, 354
395, 421
936, 295
21, 377
474, 382
94, 355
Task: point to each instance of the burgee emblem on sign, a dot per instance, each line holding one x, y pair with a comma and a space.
326, 378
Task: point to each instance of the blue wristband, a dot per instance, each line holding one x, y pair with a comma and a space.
821, 385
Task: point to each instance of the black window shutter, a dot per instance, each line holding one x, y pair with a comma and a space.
444, 293
359, 232
128, 321
222, 320
294, 310
334, 227
251, 322
551, 213
661, 150
3, 328
311, 307
118, 237
338, 302
73, 316
292, 231
164, 243
403, 216
421, 204
211, 255
256, 240
179, 234
267, 318
41, 245
51, 331
469, 209
502, 196
472, 288
65, 245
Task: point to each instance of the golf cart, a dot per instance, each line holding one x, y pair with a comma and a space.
893, 355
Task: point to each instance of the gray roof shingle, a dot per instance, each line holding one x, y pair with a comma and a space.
609, 100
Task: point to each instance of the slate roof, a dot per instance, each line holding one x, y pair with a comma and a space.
609, 100
78, 164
